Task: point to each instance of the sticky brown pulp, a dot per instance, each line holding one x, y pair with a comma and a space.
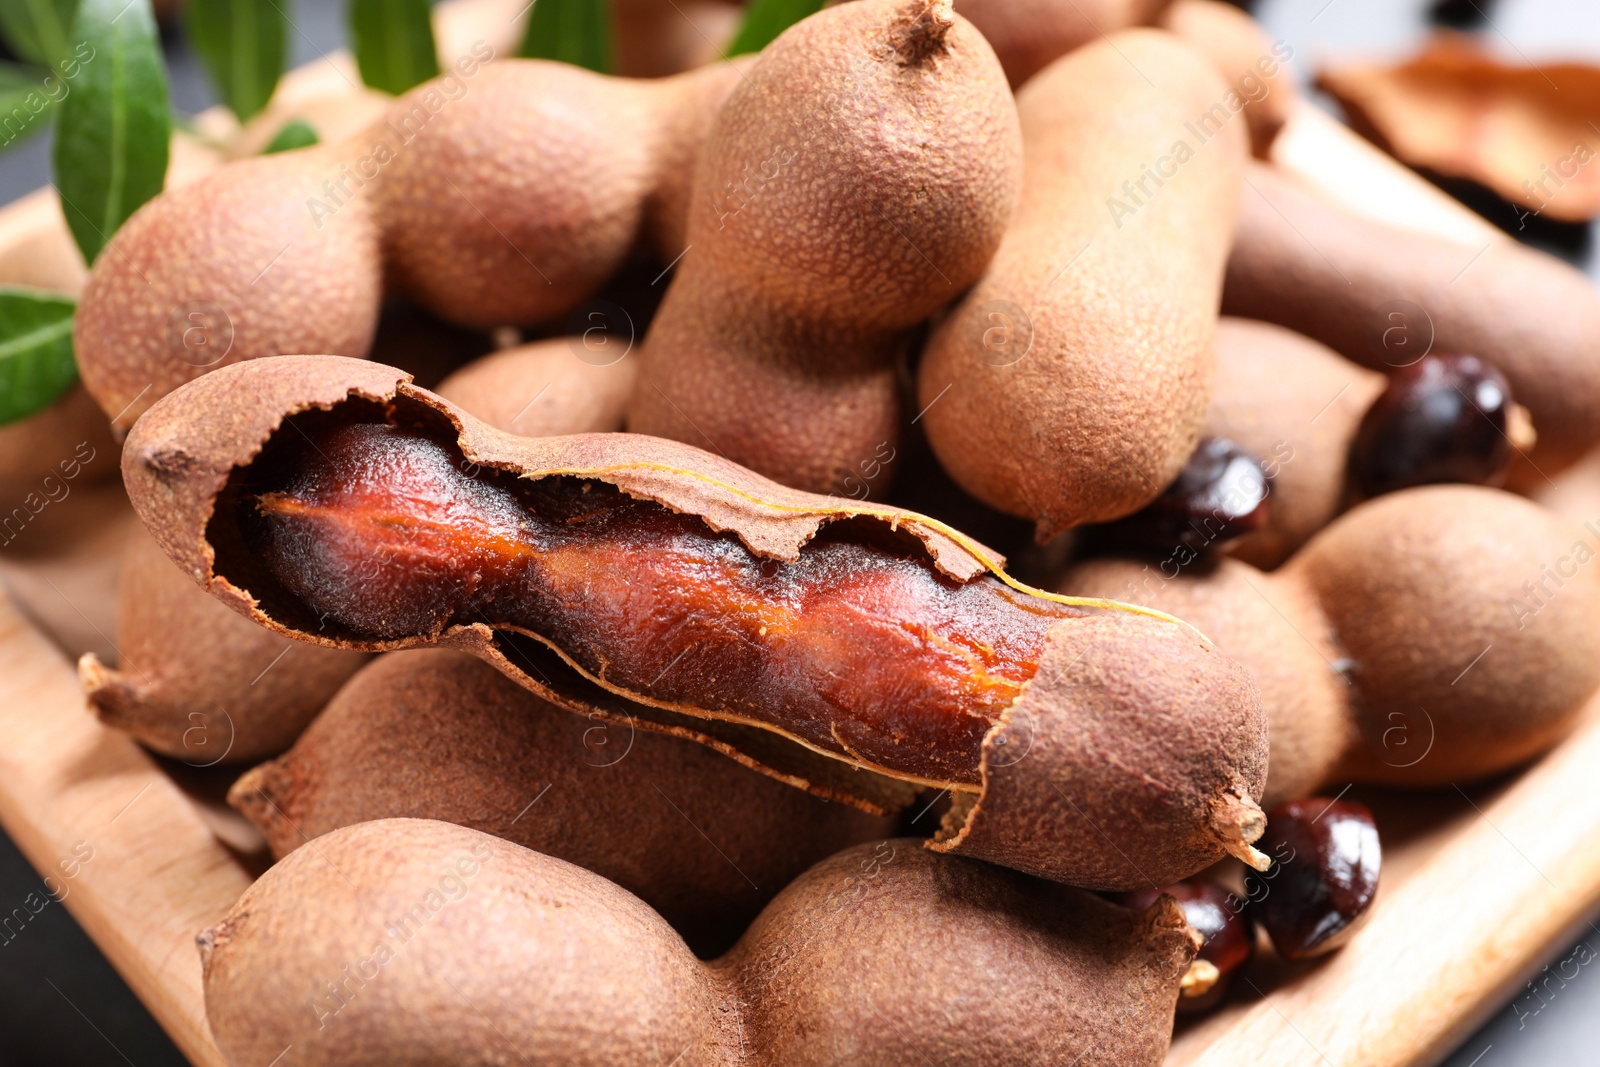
855, 648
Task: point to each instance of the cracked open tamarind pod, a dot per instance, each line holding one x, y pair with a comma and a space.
846, 647
1071, 384
856, 181
437, 734
1384, 297
432, 943
1434, 635
502, 192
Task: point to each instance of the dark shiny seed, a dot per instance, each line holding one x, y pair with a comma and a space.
1442, 419
1217, 915
1220, 494
1323, 878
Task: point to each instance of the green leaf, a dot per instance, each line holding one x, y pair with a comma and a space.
242, 44
296, 133
36, 364
111, 141
24, 102
37, 30
570, 31
393, 43
765, 19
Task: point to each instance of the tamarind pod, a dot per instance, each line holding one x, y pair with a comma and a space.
808, 264
1384, 297
229, 268
194, 680
1421, 639
517, 200
1028, 35
938, 666
504, 197
1248, 60
544, 389
442, 735
1295, 405
433, 943
1071, 383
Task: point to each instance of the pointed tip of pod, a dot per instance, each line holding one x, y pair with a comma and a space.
918, 29
1237, 820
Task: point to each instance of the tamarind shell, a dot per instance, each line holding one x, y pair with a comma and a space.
1071, 383
197, 682
544, 389
1471, 616
1385, 297
1294, 405
807, 261
441, 735
232, 267
1275, 630
433, 943
1028, 35
184, 451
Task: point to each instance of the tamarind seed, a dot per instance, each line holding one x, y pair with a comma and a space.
1221, 494
1442, 419
1229, 945
1324, 875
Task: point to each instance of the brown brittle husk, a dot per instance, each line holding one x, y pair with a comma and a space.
1199, 711
438, 734
1454, 108
432, 943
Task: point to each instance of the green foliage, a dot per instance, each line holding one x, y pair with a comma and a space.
112, 138
242, 45
569, 31
36, 364
394, 43
296, 133
764, 20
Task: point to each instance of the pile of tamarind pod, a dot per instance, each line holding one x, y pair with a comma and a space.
1319, 434
1384, 297
441, 735
848, 648
1435, 635
433, 943
502, 192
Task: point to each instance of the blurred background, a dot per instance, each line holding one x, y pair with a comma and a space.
61, 1003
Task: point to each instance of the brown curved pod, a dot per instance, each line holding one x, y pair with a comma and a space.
1295, 406
194, 463
1489, 623
62, 441
196, 681
1249, 61
434, 943
1280, 634
546, 388
808, 264
1384, 297
1431, 636
494, 194
519, 198
230, 268
1071, 384
1028, 35
436, 734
